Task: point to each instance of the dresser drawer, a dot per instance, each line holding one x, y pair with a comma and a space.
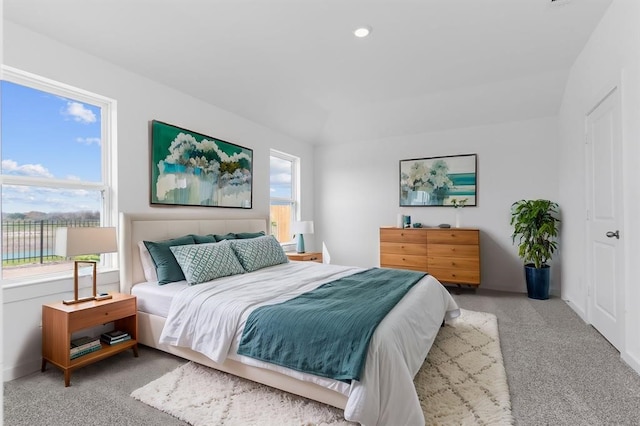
101, 314
454, 263
450, 255
418, 263
397, 235
403, 248
453, 250
452, 236
456, 276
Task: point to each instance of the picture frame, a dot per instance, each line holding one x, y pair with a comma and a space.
192, 169
439, 181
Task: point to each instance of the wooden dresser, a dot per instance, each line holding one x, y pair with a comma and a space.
450, 255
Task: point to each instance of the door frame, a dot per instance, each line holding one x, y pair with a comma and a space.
614, 88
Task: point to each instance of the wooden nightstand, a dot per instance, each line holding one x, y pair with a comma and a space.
59, 321
305, 257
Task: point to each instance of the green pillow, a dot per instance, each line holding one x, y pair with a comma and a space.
206, 262
203, 239
245, 235
229, 236
167, 267
258, 253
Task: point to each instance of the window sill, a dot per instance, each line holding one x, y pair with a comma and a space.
105, 275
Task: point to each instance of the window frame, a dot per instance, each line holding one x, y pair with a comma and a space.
295, 186
106, 187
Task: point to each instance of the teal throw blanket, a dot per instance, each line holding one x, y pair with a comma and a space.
326, 331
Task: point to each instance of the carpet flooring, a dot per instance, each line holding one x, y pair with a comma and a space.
560, 372
463, 382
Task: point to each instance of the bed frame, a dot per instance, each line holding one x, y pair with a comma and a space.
155, 227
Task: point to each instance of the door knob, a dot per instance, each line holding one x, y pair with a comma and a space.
612, 234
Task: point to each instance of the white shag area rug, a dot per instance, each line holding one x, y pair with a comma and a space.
462, 382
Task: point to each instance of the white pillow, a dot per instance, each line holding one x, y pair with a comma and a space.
148, 267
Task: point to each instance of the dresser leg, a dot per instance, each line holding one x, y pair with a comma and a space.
44, 365
135, 350
67, 378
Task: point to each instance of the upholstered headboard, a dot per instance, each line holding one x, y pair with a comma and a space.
157, 227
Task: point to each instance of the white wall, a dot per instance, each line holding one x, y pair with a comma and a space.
357, 191
139, 100
611, 57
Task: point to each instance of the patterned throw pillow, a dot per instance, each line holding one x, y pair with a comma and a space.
206, 262
258, 253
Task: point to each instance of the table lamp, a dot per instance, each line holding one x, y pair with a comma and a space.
299, 229
85, 240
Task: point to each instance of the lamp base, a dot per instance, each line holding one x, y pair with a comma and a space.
300, 246
81, 300
103, 296
95, 296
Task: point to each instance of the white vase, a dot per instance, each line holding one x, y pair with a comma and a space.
458, 217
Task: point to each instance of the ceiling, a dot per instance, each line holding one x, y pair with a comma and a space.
295, 66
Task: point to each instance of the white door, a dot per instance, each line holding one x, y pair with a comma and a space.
605, 254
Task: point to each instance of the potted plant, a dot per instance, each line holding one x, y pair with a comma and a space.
535, 226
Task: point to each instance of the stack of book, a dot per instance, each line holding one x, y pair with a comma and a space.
84, 345
115, 336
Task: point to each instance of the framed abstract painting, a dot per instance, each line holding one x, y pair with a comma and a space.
191, 169
439, 181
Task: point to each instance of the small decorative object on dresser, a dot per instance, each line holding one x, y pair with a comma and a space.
60, 321
306, 257
450, 255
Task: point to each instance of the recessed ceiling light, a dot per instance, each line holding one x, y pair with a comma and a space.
362, 31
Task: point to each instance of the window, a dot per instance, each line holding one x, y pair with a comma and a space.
55, 171
283, 184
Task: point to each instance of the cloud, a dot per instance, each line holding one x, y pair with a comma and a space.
89, 141
280, 178
79, 112
38, 170
18, 198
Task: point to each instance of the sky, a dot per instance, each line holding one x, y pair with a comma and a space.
49, 136
280, 178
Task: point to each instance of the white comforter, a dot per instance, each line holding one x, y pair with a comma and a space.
209, 318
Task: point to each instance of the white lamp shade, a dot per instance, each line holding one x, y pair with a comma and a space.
85, 240
303, 227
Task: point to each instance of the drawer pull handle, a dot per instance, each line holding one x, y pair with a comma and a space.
453, 263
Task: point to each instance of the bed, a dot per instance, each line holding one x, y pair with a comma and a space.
385, 393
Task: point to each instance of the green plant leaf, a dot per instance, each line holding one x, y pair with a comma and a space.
535, 227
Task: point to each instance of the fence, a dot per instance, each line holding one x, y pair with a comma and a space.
281, 222
31, 241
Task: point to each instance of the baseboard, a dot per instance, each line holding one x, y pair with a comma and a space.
23, 369
632, 361
582, 314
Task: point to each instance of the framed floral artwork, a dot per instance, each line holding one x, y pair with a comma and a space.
439, 181
191, 169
